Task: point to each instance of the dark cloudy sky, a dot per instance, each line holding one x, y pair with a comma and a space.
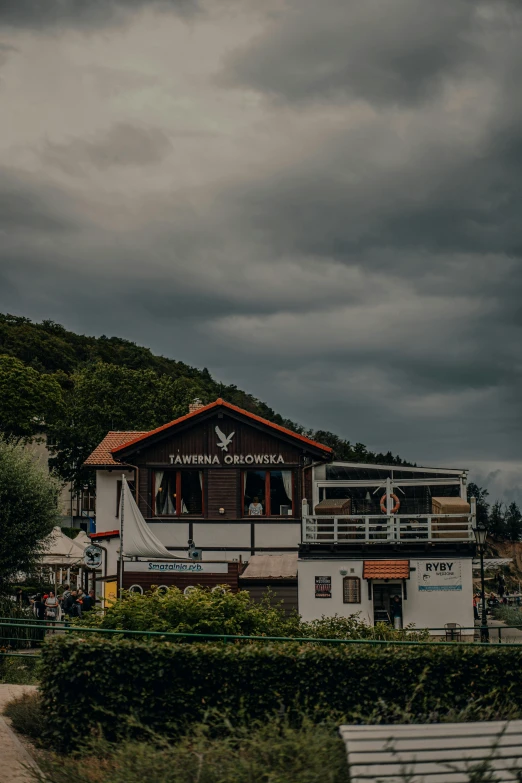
319, 201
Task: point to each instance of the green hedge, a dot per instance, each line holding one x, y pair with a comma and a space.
165, 687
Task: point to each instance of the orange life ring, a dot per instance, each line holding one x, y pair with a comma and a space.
396, 506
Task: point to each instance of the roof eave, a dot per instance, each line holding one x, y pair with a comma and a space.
326, 451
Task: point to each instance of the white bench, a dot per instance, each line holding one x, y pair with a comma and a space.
433, 752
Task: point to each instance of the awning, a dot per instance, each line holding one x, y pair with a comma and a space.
271, 567
494, 562
386, 569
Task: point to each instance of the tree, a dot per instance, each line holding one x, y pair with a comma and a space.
513, 523
104, 397
28, 509
480, 495
497, 521
28, 399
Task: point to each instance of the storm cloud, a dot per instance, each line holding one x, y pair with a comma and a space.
317, 201
35, 14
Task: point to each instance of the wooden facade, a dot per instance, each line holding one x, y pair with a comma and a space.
147, 581
215, 455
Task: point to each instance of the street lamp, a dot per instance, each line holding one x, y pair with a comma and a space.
481, 535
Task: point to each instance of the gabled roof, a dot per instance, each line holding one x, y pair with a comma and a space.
219, 403
102, 454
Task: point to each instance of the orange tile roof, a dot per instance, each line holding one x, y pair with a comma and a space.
105, 534
102, 454
220, 403
386, 569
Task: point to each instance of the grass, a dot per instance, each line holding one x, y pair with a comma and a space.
18, 670
224, 750
272, 753
27, 716
508, 614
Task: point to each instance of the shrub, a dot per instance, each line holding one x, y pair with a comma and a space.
122, 685
26, 715
273, 752
223, 612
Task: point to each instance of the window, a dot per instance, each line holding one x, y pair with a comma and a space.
351, 590
268, 493
177, 492
88, 502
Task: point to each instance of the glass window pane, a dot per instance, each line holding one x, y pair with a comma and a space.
254, 492
191, 492
281, 493
351, 590
165, 488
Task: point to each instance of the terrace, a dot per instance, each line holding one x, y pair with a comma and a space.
366, 504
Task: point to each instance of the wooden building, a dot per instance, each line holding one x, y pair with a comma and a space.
224, 478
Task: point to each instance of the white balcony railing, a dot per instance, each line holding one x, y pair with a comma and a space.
396, 528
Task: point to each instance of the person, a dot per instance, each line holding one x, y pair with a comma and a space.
78, 604
65, 594
475, 607
396, 611
255, 509
69, 604
39, 607
87, 602
51, 606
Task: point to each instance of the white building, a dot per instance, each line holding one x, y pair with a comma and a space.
386, 540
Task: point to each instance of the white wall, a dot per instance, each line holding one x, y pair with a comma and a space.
106, 496
312, 608
440, 607
424, 609
228, 535
171, 533
282, 534
112, 547
220, 555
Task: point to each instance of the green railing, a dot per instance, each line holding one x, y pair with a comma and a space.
48, 627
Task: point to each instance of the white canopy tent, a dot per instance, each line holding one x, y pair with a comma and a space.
82, 539
61, 550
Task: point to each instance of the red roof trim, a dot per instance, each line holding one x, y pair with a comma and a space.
106, 534
219, 402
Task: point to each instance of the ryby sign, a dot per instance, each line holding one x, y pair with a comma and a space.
439, 575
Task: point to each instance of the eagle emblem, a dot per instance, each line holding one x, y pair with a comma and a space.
224, 440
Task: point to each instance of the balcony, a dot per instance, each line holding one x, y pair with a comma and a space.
392, 529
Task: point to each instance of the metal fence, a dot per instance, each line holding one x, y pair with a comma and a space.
13, 632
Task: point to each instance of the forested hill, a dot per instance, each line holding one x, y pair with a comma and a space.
77, 388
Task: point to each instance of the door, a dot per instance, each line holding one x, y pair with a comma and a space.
382, 597
110, 593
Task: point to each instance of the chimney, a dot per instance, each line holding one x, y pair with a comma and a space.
195, 405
